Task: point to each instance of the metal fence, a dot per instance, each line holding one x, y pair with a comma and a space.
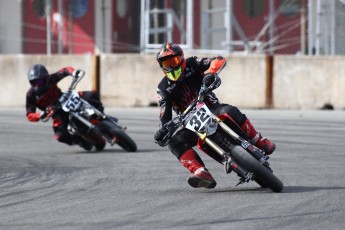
312, 27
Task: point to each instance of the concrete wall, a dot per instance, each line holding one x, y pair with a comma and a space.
309, 82
244, 82
14, 69
131, 79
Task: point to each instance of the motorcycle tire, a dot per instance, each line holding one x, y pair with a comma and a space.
263, 176
122, 139
261, 183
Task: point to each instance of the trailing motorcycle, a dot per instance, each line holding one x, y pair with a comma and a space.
221, 138
87, 122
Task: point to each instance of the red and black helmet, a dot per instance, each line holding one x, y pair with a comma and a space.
171, 60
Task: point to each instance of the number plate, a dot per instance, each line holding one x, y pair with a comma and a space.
72, 103
200, 119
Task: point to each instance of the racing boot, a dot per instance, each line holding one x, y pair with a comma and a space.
257, 139
201, 176
100, 146
82, 142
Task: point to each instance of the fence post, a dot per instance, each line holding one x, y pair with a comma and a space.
96, 74
269, 82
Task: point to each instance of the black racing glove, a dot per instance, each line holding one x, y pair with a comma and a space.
208, 79
209, 83
162, 137
211, 80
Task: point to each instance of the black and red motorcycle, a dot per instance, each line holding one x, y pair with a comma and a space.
89, 123
222, 139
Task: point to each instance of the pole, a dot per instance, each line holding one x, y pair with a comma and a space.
311, 31
269, 81
103, 46
271, 31
60, 10
303, 43
189, 40
142, 25
96, 76
333, 16
48, 17
70, 28
318, 27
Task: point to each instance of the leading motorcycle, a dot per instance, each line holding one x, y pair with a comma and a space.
221, 138
87, 122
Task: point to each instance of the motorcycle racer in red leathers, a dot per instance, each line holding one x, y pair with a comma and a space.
180, 85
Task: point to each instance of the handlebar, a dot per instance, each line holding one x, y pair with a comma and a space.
77, 76
48, 113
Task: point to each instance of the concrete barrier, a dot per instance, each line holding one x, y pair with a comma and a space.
14, 70
244, 82
309, 82
131, 79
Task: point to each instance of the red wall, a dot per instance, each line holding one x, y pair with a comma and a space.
287, 28
35, 33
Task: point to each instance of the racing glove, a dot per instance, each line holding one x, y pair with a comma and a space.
211, 80
33, 117
67, 70
162, 137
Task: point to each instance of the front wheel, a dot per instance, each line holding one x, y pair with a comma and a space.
263, 176
118, 134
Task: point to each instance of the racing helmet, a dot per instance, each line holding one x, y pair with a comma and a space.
171, 60
38, 78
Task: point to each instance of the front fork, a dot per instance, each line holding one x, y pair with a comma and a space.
83, 120
229, 163
253, 150
92, 129
97, 131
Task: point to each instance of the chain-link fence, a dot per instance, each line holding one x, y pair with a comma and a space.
118, 26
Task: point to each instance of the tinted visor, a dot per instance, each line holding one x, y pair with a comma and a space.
171, 63
38, 83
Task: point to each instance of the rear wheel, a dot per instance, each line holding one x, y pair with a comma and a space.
119, 135
263, 176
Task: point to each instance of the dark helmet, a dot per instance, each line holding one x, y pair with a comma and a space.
38, 77
171, 60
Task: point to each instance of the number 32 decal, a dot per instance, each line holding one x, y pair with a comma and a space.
198, 120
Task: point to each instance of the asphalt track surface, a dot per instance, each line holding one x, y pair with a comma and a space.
48, 185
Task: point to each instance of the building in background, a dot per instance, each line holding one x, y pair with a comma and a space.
314, 27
